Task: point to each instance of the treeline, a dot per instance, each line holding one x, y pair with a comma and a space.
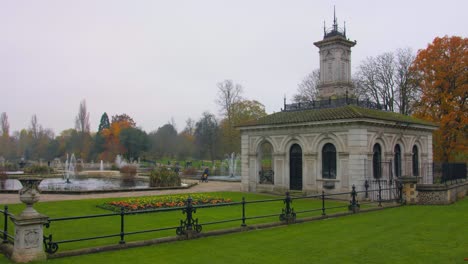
207, 138
431, 84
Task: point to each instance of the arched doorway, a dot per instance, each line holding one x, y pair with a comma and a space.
295, 167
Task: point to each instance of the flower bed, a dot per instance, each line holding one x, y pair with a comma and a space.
144, 203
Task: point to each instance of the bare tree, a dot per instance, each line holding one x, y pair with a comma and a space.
82, 119
387, 80
35, 128
229, 95
189, 126
407, 88
5, 125
385, 76
307, 89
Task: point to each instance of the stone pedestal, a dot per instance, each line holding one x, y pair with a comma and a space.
409, 189
28, 245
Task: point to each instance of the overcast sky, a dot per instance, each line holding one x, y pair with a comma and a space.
157, 60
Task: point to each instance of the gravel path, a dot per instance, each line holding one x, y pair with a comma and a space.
211, 186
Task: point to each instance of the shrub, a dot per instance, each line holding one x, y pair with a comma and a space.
128, 169
3, 175
10, 166
128, 173
38, 169
3, 178
190, 171
79, 167
164, 177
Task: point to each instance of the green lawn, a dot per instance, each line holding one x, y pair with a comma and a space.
409, 234
64, 230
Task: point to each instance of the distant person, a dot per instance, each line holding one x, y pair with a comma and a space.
205, 174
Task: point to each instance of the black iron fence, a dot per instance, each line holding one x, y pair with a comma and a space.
332, 103
190, 225
448, 173
6, 237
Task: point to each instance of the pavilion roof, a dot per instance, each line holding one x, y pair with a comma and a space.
348, 112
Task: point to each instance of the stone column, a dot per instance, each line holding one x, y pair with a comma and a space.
409, 189
28, 244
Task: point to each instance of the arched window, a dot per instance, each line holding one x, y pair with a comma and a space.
266, 174
397, 160
329, 161
377, 161
415, 161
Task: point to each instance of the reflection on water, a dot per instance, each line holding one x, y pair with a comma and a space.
79, 184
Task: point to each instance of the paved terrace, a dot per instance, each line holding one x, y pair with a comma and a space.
211, 186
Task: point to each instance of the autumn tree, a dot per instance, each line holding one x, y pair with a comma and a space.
113, 146
442, 71
123, 118
307, 88
243, 111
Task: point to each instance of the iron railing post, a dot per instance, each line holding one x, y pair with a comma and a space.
189, 224
122, 223
354, 204
380, 195
366, 185
5, 225
243, 212
50, 246
400, 192
323, 202
189, 210
288, 213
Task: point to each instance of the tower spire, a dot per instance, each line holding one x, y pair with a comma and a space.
335, 22
344, 28
324, 29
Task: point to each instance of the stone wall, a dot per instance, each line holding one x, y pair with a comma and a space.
440, 193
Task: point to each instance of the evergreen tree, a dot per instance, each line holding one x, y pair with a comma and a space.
104, 122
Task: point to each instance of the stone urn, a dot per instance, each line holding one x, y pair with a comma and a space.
29, 195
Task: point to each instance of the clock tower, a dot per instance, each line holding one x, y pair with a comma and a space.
335, 62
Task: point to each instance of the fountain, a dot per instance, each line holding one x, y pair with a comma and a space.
232, 164
229, 169
120, 161
72, 181
70, 166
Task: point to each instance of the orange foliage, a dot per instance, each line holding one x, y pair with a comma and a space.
443, 78
111, 135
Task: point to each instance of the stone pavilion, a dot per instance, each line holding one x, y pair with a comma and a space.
335, 142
